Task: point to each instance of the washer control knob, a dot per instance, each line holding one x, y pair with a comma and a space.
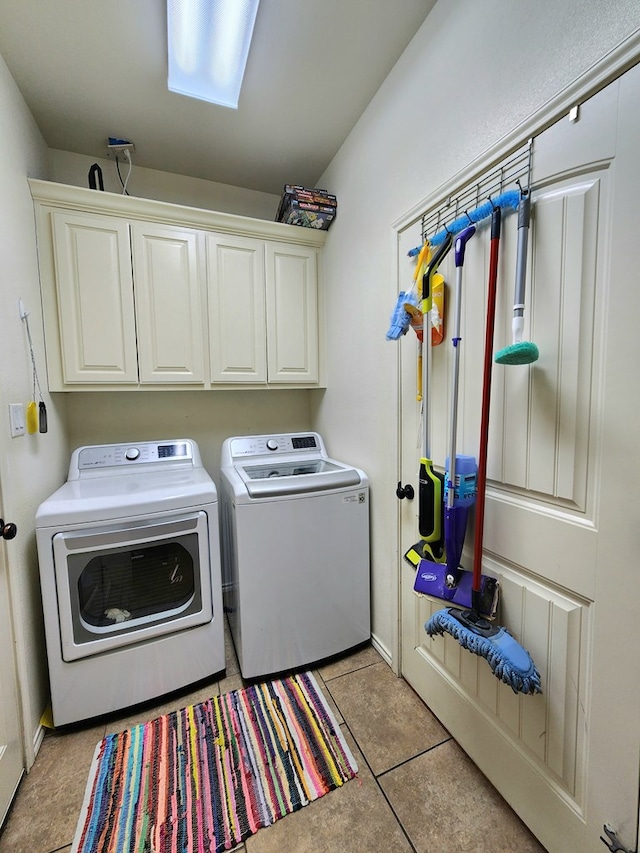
272, 444
132, 453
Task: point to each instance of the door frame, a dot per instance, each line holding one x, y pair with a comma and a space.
608, 69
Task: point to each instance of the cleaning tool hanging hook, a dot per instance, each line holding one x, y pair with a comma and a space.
505, 201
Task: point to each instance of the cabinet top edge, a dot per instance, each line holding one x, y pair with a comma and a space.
82, 198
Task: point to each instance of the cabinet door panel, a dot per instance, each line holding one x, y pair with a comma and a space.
292, 314
235, 267
95, 298
168, 301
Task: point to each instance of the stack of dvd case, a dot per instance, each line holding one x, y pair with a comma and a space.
311, 208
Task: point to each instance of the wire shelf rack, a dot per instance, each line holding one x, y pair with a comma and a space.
513, 172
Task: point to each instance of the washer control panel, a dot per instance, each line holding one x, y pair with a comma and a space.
116, 455
264, 445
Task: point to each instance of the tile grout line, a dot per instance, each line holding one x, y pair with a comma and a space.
364, 758
375, 779
413, 757
350, 672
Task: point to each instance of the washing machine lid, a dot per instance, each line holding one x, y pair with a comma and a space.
274, 477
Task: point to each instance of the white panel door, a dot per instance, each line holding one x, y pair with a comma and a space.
11, 765
94, 287
169, 303
562, 513
237, 324
292, 313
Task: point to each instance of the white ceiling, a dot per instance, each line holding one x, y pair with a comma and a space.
89, 69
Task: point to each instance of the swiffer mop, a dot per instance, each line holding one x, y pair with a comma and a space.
456, 512
520, 352
430, 482
450, 582
508, 660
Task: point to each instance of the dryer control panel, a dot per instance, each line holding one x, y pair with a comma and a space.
110, 456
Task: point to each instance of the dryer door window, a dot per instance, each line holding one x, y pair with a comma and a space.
137, 584
119, 586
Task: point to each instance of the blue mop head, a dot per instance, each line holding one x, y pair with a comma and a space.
400, 319
508, 660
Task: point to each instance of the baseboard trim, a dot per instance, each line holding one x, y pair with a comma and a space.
382, 649
38, 737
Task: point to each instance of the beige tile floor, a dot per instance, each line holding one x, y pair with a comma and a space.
416, 790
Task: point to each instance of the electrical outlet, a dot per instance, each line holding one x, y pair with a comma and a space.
116, 146
16, 419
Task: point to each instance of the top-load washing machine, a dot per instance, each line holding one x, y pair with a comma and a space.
129, 557
295, 551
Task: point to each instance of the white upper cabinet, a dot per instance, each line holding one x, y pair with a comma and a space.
95, 310
292, 313
236, 298
169, 306
263, 311
145, 294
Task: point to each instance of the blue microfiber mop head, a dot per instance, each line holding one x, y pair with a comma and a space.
400, 319
508, 660
524, 352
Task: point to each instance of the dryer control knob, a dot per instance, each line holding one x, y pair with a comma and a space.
272, 444
132, 453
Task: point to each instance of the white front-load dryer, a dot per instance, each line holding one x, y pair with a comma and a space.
129, 558
295, 551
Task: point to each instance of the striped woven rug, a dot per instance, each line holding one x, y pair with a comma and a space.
206, 777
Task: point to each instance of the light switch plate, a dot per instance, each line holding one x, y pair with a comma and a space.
16, 419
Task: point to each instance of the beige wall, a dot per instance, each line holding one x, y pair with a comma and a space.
206, 416
68, 168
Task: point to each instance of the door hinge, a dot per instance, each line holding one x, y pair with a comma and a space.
612, 843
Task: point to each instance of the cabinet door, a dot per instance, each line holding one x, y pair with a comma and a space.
168, 303
235, 280
292, 314
94, 288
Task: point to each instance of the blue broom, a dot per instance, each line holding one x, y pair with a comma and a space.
508, 660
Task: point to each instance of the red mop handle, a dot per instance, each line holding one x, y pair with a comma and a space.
496, 219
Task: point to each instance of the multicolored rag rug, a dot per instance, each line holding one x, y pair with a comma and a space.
206, 777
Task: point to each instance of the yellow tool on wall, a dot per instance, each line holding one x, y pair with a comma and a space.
436, 308
36, 412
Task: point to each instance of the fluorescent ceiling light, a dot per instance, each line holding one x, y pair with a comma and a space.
209, 44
